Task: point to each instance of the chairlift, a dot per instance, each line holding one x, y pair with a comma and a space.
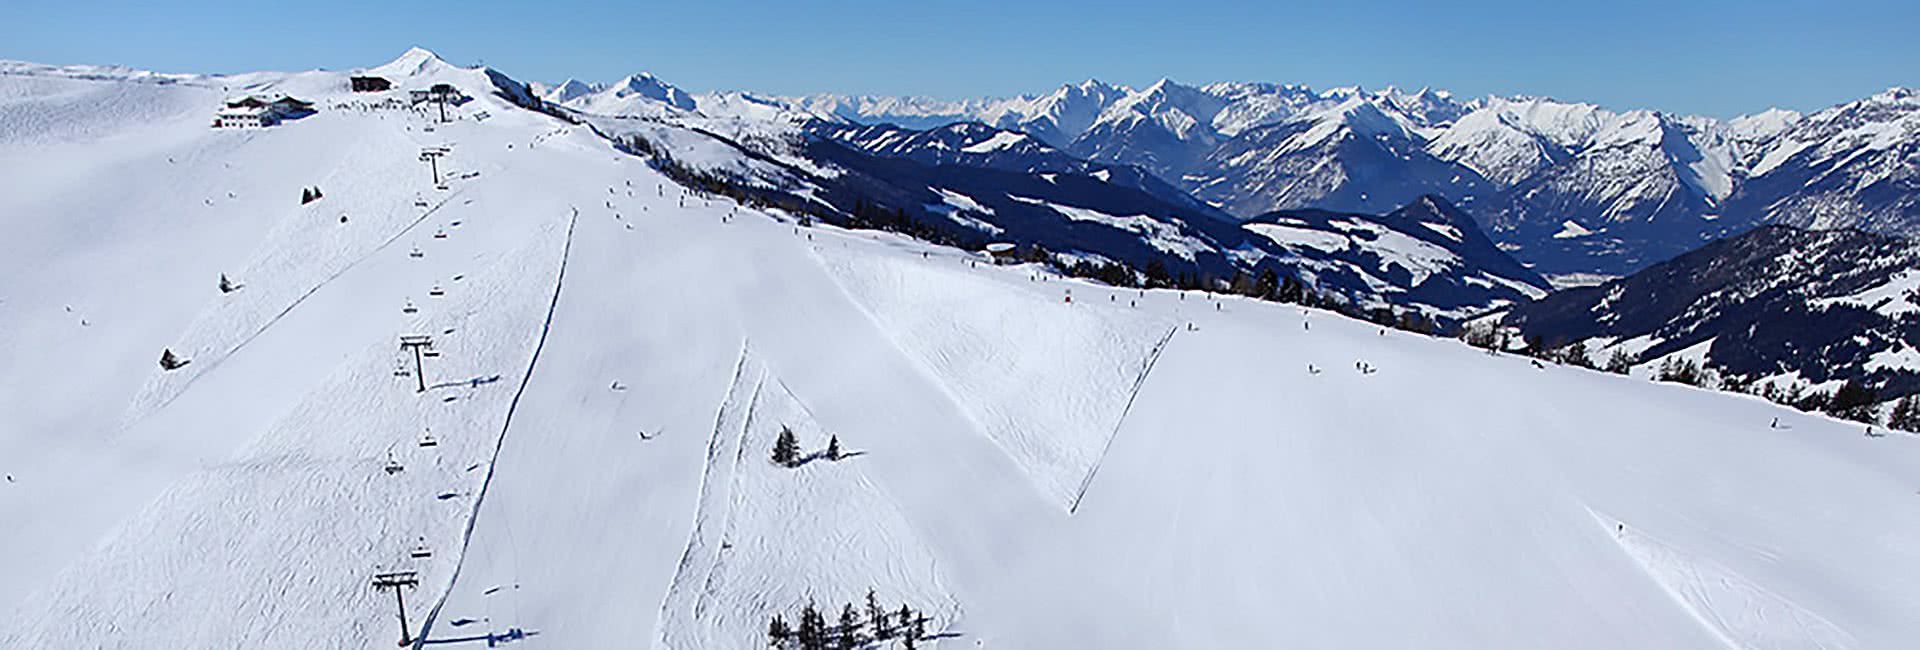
437, 291
439, 234
420, 550
430, 353
410, 308
416, 253
393, 466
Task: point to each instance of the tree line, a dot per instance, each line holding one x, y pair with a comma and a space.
855, 628
1854, 399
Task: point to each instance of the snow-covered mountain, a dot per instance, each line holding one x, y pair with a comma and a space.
1776, 305
1856, 165
583, 457
638, 94
1425, 253
975, 145
1567, 187
1351, 157
971, 184
566, 91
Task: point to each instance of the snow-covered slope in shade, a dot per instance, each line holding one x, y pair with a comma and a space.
1776, 304
1238, 498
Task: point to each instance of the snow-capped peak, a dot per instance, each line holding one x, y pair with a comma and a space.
638, 93
1357, 115
416, 61
1762, 125
569, 90
647, 85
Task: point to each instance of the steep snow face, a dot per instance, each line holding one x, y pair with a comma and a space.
1850, 166
1162, 129
1486, 142
1351, 157
1752, 134
1251, 105
589, 465
1062, 115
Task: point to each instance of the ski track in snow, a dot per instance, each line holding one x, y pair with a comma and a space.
1743, 615
1146, 368
768, 539
506, 424
285, 266
1046, 380
318, 471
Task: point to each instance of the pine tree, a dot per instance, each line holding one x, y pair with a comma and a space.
812, 633
786, 448
833, 447
226, 286
306, 196
1906, 415
1157, 275
168, 361
849, 632
1854, 401
1620, 363
882, 628
1575, 355
918, 629
908, 639
777, 631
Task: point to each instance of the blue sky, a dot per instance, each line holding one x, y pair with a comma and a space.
1716, 57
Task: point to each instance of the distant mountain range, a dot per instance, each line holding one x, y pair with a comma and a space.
1569, 188
1573, 191
973, 184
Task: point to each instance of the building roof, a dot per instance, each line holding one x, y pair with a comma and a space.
266, 100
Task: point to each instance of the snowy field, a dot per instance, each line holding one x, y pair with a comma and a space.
613, 360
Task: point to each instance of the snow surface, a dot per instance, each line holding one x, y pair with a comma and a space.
1129, 470
1894, 297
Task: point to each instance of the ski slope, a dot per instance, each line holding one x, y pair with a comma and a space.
615, 357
